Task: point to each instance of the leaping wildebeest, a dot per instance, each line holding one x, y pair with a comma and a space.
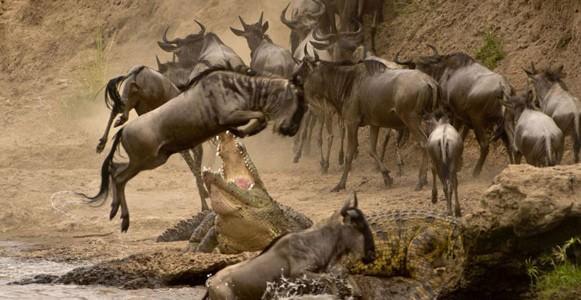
188, 49
218, 100
556, 101
144, 90
472, 93
369, 94
266, 56
536, 135
445, 147
309, 252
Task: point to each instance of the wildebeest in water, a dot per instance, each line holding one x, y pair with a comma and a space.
218, 100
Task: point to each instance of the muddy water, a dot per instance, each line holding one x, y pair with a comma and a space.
12, 269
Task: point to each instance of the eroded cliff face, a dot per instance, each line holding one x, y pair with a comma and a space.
526, 212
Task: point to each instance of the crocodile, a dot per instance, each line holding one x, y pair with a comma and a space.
244, 217
422, 245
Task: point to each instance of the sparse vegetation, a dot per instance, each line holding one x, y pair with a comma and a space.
554, 276
90, 77
491, 51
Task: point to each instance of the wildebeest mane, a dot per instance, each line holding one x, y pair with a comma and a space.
112, 97
458, 60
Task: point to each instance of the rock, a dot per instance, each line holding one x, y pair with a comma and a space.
150, 270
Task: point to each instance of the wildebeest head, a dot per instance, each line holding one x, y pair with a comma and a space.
540, 81
342, 44
291, 107
254, 33
177, 73
186, 49
305, 15
357, 231
435, 64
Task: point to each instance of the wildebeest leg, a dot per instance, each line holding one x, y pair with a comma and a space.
330, 137
508, 145
373, 133
342, 136
384, 144
194, 162
253, 127
434, 186
413, 124
301, 137
576, 146
320, 144
240, 118
483, 141
309, 137
103, 139
464, 133
131, 103
352, 129
457, 210
517, 157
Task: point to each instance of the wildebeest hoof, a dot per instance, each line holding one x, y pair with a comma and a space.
113, 212
338, 188
296, 159
101, 145
124, 224
387, 180
419, 187
434, 198
457, 213
341, 158
324, 167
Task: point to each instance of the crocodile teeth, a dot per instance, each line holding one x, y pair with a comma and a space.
206, 169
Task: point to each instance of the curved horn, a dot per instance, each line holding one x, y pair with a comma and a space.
290, 24
305, 51
158, 62
202, 28
350, 203
164, 37
434, 50
401, 62
324, 37
244, 25
322, 8
260, 20
173, 58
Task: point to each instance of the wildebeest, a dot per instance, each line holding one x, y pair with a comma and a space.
216, 54
144, 90
314, 250
305, 15
218, 100
350, 10
369, 94
472, 93
187, 50
555, 100
536, 135
266, 56
177, 73
445, 148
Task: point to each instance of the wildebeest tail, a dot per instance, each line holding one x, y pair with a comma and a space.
112, 96
550, 158
444, 149
105, 172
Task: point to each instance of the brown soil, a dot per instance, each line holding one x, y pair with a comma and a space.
50, 130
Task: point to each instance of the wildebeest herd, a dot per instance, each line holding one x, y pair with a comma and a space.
329, 74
